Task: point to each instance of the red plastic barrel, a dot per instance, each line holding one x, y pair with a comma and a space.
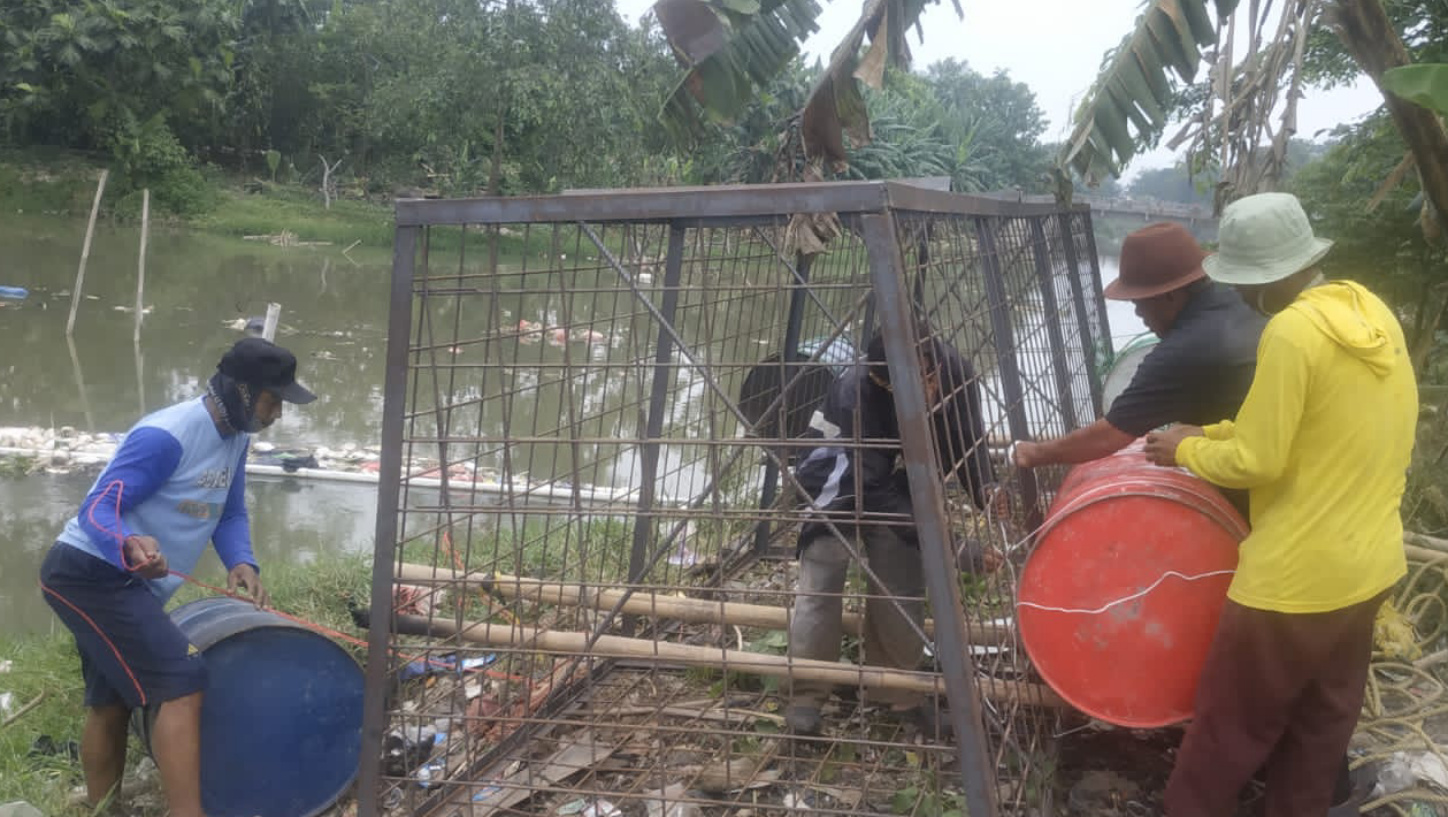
1119, 601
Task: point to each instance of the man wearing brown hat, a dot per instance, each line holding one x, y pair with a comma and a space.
1200, 370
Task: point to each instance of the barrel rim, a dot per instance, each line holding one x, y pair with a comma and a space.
1233, 523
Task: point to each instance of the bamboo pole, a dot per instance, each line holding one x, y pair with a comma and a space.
1420, 554
1423, 540
24, 709
777, 666
90, 420
140, 360
648, 603
85, 252
141, 262
273, 314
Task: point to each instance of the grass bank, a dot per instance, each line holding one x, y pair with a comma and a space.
63, 183
39, 182
47, 668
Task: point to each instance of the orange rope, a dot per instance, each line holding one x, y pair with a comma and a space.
311, 625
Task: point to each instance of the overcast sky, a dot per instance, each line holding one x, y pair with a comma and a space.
1054, 46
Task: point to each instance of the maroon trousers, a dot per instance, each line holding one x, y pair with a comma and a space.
1280, 690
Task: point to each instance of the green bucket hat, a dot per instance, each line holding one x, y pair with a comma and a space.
1264, 238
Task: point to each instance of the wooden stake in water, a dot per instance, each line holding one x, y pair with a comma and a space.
141, 263
90, 420
269, 329
85, 252
140, 377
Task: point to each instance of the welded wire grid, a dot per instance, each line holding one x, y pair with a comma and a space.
1078, 249
599, 424
998, 289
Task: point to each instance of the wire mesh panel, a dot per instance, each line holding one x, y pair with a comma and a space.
603, 409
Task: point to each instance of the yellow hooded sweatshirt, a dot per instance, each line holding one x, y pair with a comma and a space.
1322, 443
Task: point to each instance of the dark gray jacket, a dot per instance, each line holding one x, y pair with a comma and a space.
828, 473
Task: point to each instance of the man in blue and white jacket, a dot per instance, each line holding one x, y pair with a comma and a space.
176, 483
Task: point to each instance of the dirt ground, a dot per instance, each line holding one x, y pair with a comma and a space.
1108, 772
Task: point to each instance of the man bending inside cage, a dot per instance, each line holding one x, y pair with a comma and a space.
858, 491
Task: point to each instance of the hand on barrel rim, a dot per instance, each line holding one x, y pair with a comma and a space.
142, 556
1161, 446
1024, 454
975, 557
245, 577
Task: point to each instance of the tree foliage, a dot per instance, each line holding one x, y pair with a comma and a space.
125, 77
452, 96
729, 49
1423, 25
561, 92
981, 132
1139, 86
1376, 228
86, 74
1183, 183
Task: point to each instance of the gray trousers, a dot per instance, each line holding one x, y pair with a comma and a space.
815, 629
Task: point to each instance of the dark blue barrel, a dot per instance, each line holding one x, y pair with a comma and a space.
281, 723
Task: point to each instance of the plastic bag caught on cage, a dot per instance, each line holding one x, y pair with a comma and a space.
585, 808
423, 667
682, 554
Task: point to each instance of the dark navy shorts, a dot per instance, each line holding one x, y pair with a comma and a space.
131, 653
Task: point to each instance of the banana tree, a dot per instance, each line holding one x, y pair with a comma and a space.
1229, 120
729, 48
1140, 85
1369, 36
1253, 53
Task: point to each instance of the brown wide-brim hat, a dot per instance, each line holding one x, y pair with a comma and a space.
1155, 260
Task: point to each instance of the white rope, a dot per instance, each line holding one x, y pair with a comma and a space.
1132, 597
1079, 501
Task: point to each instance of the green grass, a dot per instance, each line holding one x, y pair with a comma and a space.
548, 550
49, 664
53, 182
298, 211
318, 592
39, 181
46, 182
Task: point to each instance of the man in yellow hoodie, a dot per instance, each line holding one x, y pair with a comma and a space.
1322, 443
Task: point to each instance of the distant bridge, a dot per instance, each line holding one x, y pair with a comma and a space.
1194, 216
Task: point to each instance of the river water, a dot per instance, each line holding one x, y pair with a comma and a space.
197, 288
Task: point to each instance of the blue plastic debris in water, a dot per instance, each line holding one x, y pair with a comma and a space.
14, 293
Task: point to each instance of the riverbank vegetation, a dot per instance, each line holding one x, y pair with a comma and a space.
211, 103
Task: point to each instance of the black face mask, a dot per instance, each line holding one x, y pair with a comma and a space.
235, 401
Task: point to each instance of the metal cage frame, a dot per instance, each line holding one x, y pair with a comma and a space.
893, 222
